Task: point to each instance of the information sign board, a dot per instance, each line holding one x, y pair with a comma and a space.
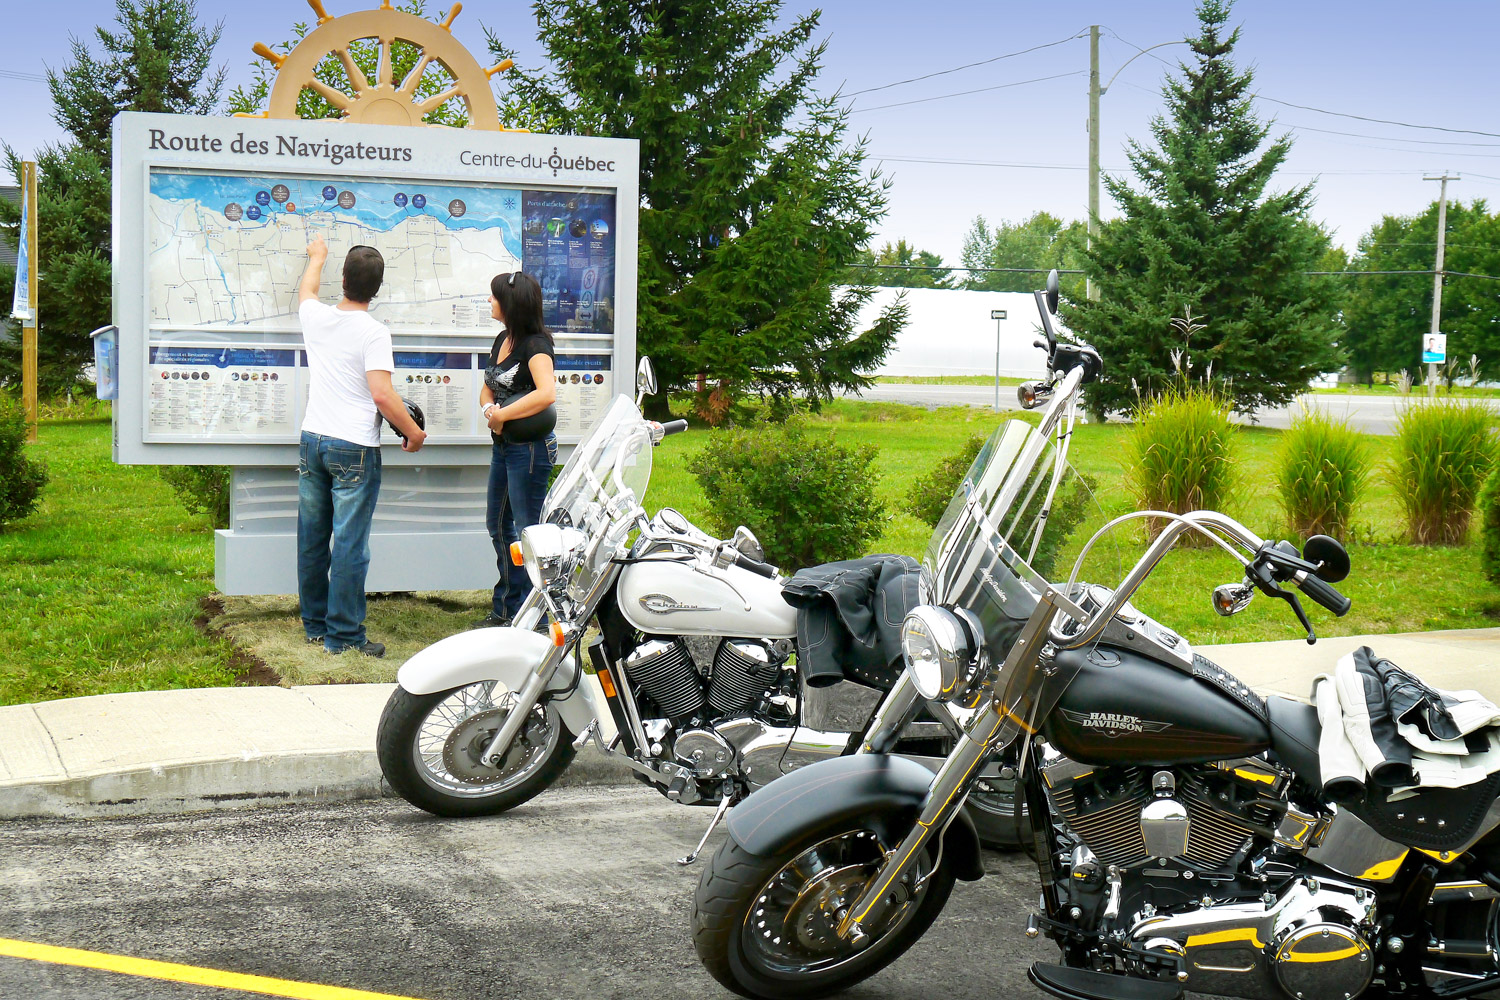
1434, 348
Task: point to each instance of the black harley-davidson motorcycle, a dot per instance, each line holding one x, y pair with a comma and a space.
1179, 821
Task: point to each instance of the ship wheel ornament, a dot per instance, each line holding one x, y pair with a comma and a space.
383, 100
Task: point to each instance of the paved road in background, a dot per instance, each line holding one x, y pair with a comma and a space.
574, 895
1372, 414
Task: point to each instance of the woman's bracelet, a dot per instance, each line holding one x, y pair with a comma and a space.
484, 411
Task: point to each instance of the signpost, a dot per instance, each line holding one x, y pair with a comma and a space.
998, 315
24, 303
1434, 352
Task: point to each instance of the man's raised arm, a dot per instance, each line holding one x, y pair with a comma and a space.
312, 278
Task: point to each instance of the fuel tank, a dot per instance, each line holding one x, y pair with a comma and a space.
1124, 708
671, 598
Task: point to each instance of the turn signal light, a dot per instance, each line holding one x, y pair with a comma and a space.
607, 683
558, 637
515, 553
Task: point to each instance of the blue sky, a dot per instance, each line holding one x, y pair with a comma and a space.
1023, 148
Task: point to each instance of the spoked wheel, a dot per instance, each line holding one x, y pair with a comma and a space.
431, 750
766, 927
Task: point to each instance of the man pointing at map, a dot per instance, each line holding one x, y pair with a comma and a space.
350, 360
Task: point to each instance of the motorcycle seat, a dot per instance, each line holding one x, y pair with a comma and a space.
1433, 819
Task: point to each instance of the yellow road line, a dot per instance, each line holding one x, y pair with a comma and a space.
192, 974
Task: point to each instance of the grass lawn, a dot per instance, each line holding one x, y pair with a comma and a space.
107, 577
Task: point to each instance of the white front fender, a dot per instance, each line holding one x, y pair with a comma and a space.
507, 655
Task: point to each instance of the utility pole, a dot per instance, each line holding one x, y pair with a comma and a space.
1089, 289
28, 328
1437, 275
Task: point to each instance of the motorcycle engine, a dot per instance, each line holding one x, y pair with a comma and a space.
1117, 812
1179, 862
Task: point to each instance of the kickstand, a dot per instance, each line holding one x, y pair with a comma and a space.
713, 824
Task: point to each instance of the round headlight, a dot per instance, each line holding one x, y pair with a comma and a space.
936, 648
550, 553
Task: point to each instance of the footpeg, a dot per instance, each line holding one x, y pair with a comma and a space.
1084, 984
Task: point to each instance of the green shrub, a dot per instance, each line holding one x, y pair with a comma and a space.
1444, 452
1181, 455
1489, 526
807, 498
1322, 467
21, 478
203, 489
929, 496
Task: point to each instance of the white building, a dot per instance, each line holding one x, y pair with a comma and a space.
949, 332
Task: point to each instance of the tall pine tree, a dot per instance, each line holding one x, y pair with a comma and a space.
754, 199
156, 57
1202, 232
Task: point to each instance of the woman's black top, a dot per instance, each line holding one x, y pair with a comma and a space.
512, 377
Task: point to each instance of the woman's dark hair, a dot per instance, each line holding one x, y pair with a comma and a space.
520, 298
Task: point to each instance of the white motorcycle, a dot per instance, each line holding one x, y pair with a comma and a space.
603, 650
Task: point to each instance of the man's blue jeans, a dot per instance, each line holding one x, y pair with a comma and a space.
337, 484
518, 485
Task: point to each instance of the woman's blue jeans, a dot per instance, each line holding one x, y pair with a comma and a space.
518, 485
337, 483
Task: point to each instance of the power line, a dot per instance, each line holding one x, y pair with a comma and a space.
11, 74
977, 90
1065, 270
955, 69
1378, 121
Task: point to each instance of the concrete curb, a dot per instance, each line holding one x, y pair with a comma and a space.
273, 779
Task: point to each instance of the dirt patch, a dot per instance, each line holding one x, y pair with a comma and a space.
249, 670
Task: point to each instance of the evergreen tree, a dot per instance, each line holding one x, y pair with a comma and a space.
754, 199
1040, 242
899, 265
154, 58
1203, 233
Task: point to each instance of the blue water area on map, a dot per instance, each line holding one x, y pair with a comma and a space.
375, 207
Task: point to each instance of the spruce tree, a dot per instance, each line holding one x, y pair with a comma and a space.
899, 265
1202, 232
754, 198
156, 57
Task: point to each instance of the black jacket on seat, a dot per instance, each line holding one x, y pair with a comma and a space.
849, 617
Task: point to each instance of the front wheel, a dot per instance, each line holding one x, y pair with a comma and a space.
430, 748
765, 927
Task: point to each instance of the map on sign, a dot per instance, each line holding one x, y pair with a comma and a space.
227, 251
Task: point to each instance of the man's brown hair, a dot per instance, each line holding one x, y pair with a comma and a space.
364, 269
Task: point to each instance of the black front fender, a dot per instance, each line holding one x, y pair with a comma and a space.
797, 807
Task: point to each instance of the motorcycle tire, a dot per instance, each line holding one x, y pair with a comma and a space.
733, 891
995, 818
471, 791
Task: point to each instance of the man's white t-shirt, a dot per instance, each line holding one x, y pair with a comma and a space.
343, 344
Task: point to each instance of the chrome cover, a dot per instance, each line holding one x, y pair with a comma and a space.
1255, 950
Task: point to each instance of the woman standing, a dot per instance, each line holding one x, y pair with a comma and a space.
516, 401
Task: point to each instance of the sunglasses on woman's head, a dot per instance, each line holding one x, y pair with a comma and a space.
512, 279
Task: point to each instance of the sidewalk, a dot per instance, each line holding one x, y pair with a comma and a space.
181, 751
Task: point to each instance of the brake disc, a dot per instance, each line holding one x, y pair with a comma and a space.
463, 751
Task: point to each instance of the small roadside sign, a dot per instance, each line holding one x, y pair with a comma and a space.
1434, 348
997, 314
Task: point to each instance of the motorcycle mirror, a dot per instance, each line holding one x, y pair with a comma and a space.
645, 378
1032, 394
747, 544
1052, 291
1331, 558
1232, 598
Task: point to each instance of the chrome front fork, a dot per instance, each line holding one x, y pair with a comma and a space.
525, 699
989, 727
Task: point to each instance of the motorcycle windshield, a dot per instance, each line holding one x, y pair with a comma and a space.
613, 461
999, 541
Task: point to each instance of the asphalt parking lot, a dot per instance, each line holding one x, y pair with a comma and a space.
574, 895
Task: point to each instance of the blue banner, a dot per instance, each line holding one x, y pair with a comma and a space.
224, 357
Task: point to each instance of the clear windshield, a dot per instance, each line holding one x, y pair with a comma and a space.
999, 542
613, 460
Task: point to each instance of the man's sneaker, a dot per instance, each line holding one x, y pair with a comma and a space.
313, 640
493, 620
375, 649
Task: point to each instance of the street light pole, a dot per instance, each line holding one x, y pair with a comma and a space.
1437, 274
998, 315
1096, 92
